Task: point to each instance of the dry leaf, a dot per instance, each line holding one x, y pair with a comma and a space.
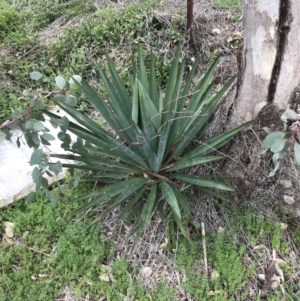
105, 277
289, 199
8, 240
43, 276
279, 271
163, 245
221, 230
275, 284
238, 35
215, 274
146, 272
283, 225
216, 30
258, 247
214, 293
8, 227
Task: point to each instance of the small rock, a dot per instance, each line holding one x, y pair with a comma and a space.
288, 199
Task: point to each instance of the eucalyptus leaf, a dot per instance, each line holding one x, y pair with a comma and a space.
64, 137
297, 153
44, 142
273, 172
39, 103
30, 197
77, 78
38, 126
64, 123
71, 100
36, 75
55, 167
29, 124
270, 139
35, 139
278, 145
44, 183
53, 199
54, 122
48, 137
76, 180
36, 157
275, 158
38, 116
36, 174
16, 113
60, 82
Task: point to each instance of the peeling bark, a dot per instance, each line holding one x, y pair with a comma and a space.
271, 57
268, 84
189, 18
289, 78
260, 40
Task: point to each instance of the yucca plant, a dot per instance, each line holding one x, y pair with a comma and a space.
143, 158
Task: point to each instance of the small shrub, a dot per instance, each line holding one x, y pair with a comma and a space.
144, 161
282, 142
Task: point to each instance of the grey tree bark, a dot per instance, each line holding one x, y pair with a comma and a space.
268, 83
270, 65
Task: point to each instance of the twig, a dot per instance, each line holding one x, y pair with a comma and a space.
204, 247
6, 124
40, 252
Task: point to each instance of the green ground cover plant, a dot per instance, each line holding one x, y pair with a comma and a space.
228, 3
94, 31
49, 252
229, 271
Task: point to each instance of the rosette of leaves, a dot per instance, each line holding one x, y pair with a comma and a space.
143, 159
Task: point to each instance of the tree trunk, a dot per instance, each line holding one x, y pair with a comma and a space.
268, 83
271, 57
189, 20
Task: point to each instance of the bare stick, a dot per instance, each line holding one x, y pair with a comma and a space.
39, 252
204, 247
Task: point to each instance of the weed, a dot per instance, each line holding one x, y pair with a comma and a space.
228, 273
100, 31
8, 100
162, 292
228, 3
296, 237
48, 250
